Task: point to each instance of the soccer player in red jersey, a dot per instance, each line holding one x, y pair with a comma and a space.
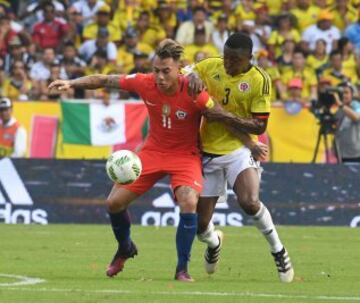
170, 149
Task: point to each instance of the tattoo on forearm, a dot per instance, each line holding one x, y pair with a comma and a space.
248, 125
96, 81
242, 136
112, 81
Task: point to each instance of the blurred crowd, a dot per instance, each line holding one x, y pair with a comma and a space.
303, 44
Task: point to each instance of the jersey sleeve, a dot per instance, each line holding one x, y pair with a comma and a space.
132, 83
261, 101
201, 67
203, 101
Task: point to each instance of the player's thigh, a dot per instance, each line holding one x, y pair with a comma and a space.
184, 170
150, 174
214, 178
246, 186
238, 162
205, 210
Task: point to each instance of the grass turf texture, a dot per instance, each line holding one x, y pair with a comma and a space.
73, 258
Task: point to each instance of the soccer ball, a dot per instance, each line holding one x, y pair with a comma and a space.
123, 167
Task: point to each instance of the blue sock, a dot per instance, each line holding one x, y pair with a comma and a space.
120, 223
185, 235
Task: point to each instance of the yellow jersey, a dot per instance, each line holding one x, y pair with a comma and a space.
241, 95
307, 76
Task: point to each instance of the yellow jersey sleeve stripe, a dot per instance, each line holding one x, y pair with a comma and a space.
266, 79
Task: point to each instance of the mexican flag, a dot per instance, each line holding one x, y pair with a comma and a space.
93, 123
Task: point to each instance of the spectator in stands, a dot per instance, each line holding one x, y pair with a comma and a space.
295, 87
165, 17
347, 136
15, 26
284, 30
18, 85
285, 60
6, 34
17, 52
50, 32
344, 14
149, 34
89, 47
346, 49
72, 66
99, 65
227, 10
323, 29
125, 57
334, 72
221, 33
13, 137
307, 76
74, 21
142, 64
55, 73
199, 45
88, 9
257, 29
41, 69
262, 30
103, 19
305, 14
318, 59
186, 31
245, 11
353, 32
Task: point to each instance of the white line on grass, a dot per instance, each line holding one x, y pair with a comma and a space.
189, 293
21, 280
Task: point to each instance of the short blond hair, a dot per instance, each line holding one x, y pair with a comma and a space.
169, 48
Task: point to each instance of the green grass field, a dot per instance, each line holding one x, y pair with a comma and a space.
72, 261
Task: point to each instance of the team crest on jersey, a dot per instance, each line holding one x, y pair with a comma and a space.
181, 115
166, 110
244, 86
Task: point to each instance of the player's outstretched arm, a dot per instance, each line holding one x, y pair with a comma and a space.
87, 82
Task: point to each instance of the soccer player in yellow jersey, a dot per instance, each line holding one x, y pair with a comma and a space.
244, 91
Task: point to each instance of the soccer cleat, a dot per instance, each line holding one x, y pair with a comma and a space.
183, 276
117, 263
212, 255
284, 267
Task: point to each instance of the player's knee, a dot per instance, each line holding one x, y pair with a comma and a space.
113, 206
249, 203
188, 203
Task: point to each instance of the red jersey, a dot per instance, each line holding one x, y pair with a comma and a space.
175, 119
49, 34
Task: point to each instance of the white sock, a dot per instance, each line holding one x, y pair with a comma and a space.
264, 223
209, 236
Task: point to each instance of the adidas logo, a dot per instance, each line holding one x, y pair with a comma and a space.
15, 199
166, 212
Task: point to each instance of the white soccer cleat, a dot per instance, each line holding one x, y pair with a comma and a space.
284, 266
212, 255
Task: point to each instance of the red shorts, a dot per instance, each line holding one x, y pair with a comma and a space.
182, 169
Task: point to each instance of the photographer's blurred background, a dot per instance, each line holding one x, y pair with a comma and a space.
311, 50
